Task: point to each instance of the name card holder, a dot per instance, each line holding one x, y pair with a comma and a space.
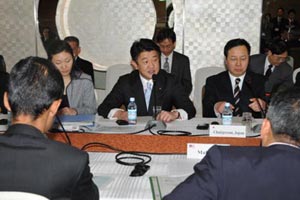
199, 150
227, 131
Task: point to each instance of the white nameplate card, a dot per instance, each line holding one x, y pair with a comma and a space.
227, 131
198, 151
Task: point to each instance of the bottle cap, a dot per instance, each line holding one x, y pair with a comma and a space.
227, 104
132, 99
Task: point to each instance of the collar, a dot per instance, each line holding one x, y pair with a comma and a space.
24, 129
232, 80
145, 81
282, 143
267, 63
24, 136
170, 58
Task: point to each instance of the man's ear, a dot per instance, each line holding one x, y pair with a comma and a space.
5, 101
134, 64
266, 132
54, 107
79, 50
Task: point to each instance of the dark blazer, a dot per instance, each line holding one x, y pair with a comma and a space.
181, 69
245, 173
32, 163
3, 88
86, 67
168, 91
280, 79
218, 88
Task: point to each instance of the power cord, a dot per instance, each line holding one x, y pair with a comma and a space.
137, 159
64, 130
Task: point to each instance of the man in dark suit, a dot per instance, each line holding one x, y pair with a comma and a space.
278, 73
3, 88
268, 172
279, 22
83, 65
29, 161
169, 93
243, 89
172, 61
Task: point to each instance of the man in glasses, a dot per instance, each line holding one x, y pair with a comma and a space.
278, 73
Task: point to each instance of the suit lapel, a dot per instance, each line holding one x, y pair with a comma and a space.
227, 85
174, 68
138, 91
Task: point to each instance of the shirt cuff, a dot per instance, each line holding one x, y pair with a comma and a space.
216, 113
112, 112
183, 114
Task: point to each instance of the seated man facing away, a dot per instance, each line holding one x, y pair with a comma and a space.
4, 76
139, 84
243, 89
278, 73
29, 161
260, 173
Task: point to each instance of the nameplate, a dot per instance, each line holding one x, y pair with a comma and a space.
227, 131
198, 151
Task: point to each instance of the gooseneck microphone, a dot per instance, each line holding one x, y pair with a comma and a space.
155, 124
248, 84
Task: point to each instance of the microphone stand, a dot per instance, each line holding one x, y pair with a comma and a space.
155, 124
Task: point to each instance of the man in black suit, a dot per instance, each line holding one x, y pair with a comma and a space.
29, 161
268, 172
278, 73
172, 61
4, 76
169, 93
83, 65
243, 89
279, 22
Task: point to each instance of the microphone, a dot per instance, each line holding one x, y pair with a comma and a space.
155, 124
248, 84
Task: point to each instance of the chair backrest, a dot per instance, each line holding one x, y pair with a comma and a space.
200, 78
295, 72
290, 61
113, 73
14, 195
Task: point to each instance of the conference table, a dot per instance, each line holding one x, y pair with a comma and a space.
169, 164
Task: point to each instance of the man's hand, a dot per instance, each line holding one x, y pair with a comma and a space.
255, 106
120, 114
67, 111
166, 116
219, 107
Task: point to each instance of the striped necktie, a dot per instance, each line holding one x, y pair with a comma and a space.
166, 65
236, 97
148, 93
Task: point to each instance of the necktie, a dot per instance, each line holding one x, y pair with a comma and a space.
148, 93
236, 96
166, 65
269, 71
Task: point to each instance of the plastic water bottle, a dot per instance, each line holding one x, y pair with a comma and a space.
132, 111
227, 115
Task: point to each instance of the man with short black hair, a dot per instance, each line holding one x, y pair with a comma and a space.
278, 73
172, 61
30, 162
83, 65
243, 89
170, 94
260, 173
